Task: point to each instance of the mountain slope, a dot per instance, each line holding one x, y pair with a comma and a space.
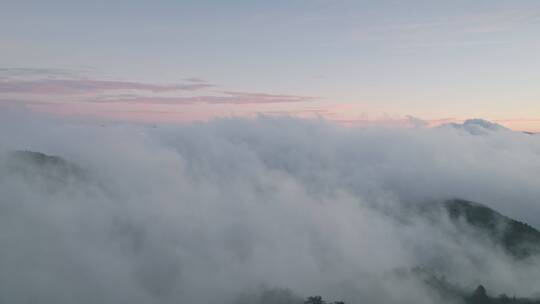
517, 238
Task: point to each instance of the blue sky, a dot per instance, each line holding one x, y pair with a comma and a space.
429, 59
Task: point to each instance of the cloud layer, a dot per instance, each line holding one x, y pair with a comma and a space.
36, 84
61, 87
208, 212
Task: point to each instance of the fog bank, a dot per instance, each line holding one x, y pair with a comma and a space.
213, 212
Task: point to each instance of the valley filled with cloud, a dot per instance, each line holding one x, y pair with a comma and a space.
231, 209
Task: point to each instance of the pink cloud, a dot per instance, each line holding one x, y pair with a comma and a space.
77, 86
195, 80
229, 98
37, 85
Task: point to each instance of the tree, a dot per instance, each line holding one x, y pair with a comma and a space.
314, 300
479, 296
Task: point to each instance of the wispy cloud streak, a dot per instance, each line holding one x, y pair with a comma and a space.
65, 86
228, 98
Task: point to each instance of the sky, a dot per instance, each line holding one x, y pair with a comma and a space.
353, 62
161, 208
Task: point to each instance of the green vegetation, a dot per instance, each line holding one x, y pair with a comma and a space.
319, 300
517, 238
480, 296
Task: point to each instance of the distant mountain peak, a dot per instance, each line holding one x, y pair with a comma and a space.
486, 124
477, 126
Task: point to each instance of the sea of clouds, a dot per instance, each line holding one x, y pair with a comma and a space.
215, 212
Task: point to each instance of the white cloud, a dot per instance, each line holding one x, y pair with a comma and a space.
204, 212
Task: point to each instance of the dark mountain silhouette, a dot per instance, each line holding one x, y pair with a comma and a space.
480, 296
29, 163
40, 159
517, 238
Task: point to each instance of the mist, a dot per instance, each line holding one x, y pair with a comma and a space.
220, 211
